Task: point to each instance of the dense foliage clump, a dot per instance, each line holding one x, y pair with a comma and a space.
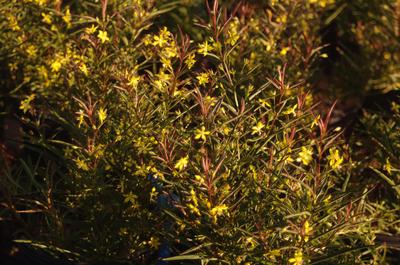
201, 132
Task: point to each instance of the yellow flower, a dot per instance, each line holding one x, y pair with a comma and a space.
257, 129
26, 103
67, 17
166, 62
99, 151
204, 48
40, 2
170, 51
154, 242
132, 198
253, 172
194, 197
250, 243
274, 253
190, 61
322, 3
201, 133
182, 163
134, 81
264, 103
43, 72
47, 18
218, 211
13, 66
225, 129
307, 230
388, 166
209, 101
54, 28
327, 199
91, 30
203, 78
153, 193
335, 160
162, 39
233, 35
13, 23
298, 258
103, 36
269, 45
195, 203
291, 110
315, 121
31, 51
159, 41
56, 65
84, 69
239, 259
199, 178
284, 51
81, 117
102, 113
305, 156
81, 164
282, 19
163, 79
395, 107
194, 209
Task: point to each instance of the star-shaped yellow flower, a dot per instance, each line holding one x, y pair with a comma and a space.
257, 129
335, 159
103, 36
205, 48
305, 156
203, 78
298, 258
102, 115
190, 61
182, 163
131, 198
201, 133
91, 30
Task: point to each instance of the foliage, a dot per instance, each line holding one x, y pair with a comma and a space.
199, 138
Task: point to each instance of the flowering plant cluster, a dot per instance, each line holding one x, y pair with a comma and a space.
196, 141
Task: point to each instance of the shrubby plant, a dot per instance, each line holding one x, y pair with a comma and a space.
363, 50
377, 35
380, 128
141, 141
